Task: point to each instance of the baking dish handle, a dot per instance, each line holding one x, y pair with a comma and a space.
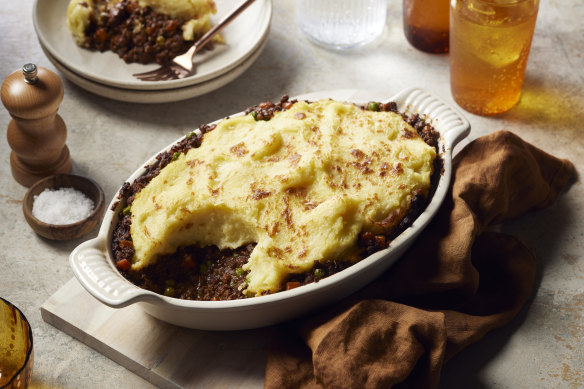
99, 277
449, 121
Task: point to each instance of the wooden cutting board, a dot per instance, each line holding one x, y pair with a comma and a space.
161, 353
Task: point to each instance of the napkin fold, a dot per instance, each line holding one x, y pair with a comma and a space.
460, 280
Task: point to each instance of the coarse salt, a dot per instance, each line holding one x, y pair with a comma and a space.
61, 206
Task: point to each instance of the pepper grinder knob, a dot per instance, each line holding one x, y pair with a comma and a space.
30, 73
36, 133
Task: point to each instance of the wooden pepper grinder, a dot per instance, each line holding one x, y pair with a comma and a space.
36, 132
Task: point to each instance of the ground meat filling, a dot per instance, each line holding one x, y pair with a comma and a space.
194, 273
210, 274
136, 34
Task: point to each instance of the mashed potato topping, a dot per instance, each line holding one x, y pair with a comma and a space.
181, 9
302, 185
78, 18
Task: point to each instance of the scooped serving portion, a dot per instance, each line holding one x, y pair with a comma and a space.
143, 31
283, 195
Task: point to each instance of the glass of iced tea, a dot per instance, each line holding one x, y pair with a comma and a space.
489, 47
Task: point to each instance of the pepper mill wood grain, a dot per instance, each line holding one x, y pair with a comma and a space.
36, 133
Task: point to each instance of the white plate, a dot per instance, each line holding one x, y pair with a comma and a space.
93, 266
159, 95
243, 36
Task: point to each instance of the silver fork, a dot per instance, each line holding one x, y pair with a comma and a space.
182, 66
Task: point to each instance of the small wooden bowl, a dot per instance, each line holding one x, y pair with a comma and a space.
65, 231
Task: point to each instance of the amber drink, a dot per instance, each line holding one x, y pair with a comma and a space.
489, 47
426, 24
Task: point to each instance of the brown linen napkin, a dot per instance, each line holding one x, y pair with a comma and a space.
459, 281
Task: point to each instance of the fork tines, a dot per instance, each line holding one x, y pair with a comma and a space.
167, 72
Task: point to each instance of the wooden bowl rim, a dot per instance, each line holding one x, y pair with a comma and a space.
98, 208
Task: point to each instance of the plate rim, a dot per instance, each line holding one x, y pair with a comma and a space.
159, 95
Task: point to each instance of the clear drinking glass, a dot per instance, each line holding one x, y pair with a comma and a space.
341, 24
489, 46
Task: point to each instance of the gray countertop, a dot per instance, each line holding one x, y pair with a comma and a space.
541, 348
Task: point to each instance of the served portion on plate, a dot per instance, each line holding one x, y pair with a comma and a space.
280, 196
270, 199
143, 31
243, 38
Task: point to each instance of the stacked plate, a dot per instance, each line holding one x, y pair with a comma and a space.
107, 75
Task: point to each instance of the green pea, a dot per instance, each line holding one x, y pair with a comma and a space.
239, 272
205, 267
254, 115
175, 155
318, 273
373, 106
169, 291
126, 211
103, 17
190, 134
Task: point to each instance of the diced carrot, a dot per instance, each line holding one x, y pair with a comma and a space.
292, 285
124, 265
101, 35
188, 262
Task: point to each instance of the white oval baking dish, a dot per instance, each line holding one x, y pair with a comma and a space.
93, 266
